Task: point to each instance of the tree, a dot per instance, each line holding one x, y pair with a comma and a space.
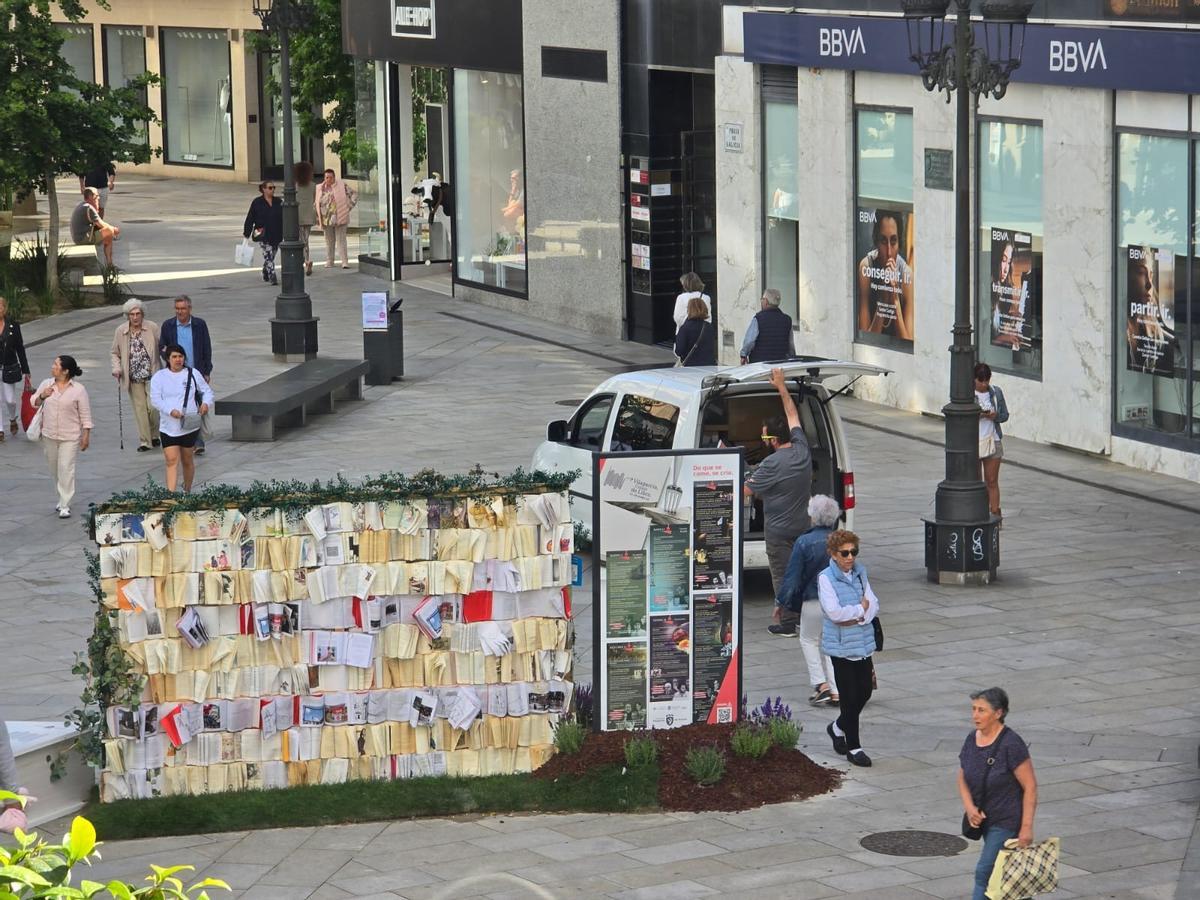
53, 123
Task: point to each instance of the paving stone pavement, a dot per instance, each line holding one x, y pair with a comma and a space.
1091, 627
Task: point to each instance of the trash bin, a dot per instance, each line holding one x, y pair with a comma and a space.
384, 350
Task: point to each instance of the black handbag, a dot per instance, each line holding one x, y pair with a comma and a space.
969, 831
878, 626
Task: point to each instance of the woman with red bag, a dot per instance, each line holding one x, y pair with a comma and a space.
13, 365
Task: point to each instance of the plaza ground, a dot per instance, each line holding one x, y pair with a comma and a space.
1092, 627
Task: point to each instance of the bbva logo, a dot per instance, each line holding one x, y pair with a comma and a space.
841, 41
1077, 56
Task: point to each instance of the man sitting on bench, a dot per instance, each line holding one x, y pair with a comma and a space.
88, 228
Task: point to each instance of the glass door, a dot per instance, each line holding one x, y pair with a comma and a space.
270, 131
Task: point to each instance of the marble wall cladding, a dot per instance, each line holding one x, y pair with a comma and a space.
1151, 458
739, 202
572, 175
825, 162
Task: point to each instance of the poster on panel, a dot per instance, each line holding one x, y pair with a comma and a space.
1149, 310
884, 276
1012, 289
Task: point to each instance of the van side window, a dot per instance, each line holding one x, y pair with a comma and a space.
644, 424
591, 421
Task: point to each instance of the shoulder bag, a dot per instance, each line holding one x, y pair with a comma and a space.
205, 421
33, 428
683, 362
1024, 871
969, 831
876, 625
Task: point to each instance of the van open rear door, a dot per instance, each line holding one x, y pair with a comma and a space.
804, 368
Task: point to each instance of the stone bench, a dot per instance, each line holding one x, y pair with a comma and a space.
287, 399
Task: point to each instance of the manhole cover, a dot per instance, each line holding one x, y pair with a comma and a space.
571, 403
914, 843
142, 221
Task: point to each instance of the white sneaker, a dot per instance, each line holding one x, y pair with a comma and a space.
64, 512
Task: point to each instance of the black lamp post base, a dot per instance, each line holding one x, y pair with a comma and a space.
294, 340
958, 553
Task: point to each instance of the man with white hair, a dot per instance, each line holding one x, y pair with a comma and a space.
809, 558
769, 334
134, 361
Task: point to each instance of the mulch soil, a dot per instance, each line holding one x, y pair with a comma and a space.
778, 776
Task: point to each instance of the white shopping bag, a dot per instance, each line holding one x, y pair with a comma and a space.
243, 253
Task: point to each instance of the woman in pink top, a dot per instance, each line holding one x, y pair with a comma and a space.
66, 425
334, 200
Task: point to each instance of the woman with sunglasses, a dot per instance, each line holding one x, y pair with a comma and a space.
264, 223
848, 637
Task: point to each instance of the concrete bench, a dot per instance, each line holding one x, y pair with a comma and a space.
287, 399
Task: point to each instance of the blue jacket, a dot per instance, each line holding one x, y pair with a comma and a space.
201, 344
848, 641
1001, 410
809, 558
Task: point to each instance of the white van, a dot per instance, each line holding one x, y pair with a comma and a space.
697, 406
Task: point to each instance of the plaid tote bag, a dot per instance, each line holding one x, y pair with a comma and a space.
1024, 872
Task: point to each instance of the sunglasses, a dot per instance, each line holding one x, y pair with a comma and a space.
270, 187
845, 553
769, 437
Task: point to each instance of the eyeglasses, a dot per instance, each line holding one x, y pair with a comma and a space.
845, 553
270, 187
769, 437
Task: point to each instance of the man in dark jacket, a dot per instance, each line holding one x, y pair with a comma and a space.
769, 335
190, 333
809, 558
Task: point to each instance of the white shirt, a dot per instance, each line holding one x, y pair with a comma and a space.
681, 305
987, 427
166, 393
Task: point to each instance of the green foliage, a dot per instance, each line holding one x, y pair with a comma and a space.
569, 736
583, 538
749, 741
36, 868
784, 732
114, 291
428, 86
72, 291
705, 765
641, 751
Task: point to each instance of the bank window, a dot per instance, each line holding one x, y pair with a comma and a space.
644, 424
1009, 243
197, 93
77, 50
781, 200
1155, 352
884, 230
489, 183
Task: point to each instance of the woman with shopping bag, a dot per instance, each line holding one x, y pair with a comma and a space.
996, 783
14, 369
264, 223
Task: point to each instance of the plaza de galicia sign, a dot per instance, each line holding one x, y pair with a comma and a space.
414, 19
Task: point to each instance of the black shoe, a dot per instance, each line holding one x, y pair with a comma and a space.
142, 448
859, 758
199, 451
839, 741
155, 442
788, 630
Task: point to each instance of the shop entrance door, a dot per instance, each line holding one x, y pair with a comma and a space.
699, 220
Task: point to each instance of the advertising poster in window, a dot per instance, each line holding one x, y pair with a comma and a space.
667, 552
1149, 310
884, 238
1012, 289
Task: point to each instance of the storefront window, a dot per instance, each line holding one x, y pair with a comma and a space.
197, 97
489, 187
77, 50
1009, 310
885, 257
1152, 335
124, 58
781, 199
370, 125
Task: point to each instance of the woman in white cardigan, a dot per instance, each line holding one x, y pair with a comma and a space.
181, 395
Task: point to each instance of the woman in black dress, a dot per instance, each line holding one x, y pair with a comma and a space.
14, 368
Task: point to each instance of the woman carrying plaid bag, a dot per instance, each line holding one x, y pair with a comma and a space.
996, 783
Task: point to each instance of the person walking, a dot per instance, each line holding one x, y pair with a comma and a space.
66, 426
809, 558
103, 178
306, 197
783, 481
14, 369
694, 342
994, 412
996, 783
769, 335
181, 396
693, 288
191, 333
847, 635
264, 224
334, 200
134, 355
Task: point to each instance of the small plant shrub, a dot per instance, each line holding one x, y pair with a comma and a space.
784, 732
114, 291
641, 751
568, 736
705, 765
752, 741
584, 705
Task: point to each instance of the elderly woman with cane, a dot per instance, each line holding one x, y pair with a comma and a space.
134, 361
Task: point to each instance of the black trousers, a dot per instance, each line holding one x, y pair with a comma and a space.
854, 689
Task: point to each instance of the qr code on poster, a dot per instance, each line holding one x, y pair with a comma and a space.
724, 714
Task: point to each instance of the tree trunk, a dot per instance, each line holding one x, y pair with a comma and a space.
52, 236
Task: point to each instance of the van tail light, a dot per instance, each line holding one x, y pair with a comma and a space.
847, 490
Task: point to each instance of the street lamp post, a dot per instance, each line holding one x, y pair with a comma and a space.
962, 541
293, 329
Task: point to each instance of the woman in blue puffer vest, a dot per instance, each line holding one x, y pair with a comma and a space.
848, 637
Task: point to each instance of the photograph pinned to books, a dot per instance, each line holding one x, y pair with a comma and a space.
428, 617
